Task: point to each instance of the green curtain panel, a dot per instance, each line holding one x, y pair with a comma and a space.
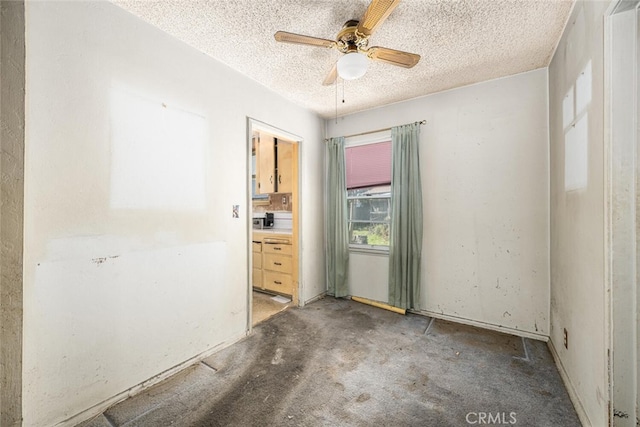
337, 233
405, 245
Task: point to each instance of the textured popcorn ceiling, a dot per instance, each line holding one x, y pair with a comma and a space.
460, 41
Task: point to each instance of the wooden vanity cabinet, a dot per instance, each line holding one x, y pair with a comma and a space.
274, 165
284, 168
266, 164
257, 265
276, 263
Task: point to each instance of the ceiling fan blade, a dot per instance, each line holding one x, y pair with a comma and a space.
376, 13
332, 76
392, 56
283, 36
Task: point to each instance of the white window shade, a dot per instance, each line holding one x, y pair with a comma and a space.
368, 165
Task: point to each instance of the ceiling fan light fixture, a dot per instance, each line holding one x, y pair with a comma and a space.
352, 65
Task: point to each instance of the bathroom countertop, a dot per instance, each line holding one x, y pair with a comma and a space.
273, 230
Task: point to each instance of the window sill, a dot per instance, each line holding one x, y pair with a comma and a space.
369, 250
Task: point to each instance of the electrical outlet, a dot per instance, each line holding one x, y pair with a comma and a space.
566, 339
284, 200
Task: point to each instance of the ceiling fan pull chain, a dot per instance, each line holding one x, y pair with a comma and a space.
336, 86
343, 91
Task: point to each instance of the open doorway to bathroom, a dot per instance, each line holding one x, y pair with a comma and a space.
273, 233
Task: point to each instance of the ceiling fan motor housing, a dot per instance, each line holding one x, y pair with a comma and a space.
349, 39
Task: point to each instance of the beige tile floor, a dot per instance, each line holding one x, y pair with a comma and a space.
264, 307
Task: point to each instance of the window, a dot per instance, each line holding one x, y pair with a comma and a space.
369, 194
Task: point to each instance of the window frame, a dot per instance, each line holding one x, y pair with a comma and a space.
374, 138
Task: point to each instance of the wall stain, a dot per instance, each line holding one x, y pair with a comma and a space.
102, 260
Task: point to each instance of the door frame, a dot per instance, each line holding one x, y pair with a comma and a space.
253, 125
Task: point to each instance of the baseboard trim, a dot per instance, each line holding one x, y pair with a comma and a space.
314, 299
106, 404
483, 325
573, 394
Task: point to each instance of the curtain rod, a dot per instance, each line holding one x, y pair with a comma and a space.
421, 122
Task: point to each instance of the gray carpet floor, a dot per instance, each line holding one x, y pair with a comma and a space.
341, 363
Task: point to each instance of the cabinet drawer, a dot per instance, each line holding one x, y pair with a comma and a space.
257, 247
256, 279
277, 282
257, 260
275, 248
277, 262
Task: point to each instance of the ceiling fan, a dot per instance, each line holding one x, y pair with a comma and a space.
353, 41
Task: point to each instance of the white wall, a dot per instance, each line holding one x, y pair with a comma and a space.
621, 197
133, 263
484, 163
312, 216
577, 216
368, 276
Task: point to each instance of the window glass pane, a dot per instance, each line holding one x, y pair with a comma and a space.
366, 209
364, 233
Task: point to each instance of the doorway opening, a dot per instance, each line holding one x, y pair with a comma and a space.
274, 195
